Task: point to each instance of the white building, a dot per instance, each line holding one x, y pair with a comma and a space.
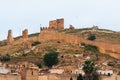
56, 71
78, 71
105, 72
3, 70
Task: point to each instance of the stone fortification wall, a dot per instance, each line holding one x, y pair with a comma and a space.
111, 49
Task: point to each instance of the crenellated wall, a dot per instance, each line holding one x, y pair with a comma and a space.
46, 35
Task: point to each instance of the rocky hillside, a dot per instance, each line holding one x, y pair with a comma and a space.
33, 49
102, 35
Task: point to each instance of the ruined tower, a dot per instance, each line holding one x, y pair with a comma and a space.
9, 37
57, 24
60, 24
25, 33
53, 24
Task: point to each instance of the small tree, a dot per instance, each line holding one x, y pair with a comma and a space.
39, 65
51, 59
90, 70
88, 67
92, 37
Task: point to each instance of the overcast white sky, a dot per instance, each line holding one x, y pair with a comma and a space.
20, 14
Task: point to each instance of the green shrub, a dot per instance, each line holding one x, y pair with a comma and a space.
50, 59
90, 70
91, 48
92, 37
80, 77
5, 58
39, 65
24, 54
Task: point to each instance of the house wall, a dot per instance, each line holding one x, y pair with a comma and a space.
32, 74
56, 77
57, 71
9, 77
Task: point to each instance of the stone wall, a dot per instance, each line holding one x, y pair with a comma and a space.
29, 74
57, 24
56, 77
10, 39
32, 74
47, 35
111, 49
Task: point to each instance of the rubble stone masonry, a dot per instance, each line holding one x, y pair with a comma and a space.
57, 24
9, 37
25, 33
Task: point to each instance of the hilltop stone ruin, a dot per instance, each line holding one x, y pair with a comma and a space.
57, 24
25, 33
51, 33
71, 27
9, 37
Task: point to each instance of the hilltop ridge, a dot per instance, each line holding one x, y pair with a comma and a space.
52, 38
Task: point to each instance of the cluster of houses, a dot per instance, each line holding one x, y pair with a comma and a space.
29, 71
19, 71
73, 69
